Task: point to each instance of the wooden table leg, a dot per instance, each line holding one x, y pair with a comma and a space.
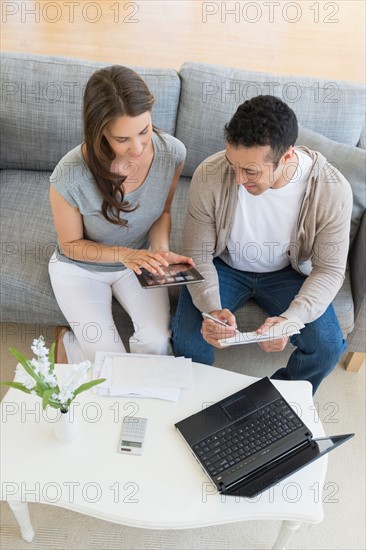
354, 361
286, 530
21, 513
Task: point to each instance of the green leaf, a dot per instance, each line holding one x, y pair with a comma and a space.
24, 362
51, 357
88, 385
16, 385
40, 388
46, 398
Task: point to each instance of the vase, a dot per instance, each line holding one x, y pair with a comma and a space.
66, 428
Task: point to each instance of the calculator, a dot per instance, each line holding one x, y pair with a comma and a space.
133, 435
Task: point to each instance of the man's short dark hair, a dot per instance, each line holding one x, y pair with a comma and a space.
263, 120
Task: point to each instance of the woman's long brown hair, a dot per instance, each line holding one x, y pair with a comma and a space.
110, 93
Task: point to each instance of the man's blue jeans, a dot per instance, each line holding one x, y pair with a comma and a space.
319, 345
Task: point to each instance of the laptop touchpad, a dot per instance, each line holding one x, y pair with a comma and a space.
238, 408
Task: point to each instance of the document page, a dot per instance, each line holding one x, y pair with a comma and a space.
285, 329
142, 375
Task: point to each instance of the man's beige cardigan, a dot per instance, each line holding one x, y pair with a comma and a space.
319, 242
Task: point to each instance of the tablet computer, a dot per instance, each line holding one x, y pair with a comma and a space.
174, 274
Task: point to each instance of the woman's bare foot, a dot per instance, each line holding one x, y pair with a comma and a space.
60, 352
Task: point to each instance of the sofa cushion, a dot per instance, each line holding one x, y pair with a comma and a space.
350, 161
28, 240
211, 94
41, 106
178, 214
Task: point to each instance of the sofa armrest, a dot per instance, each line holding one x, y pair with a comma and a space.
362, 141
357, 263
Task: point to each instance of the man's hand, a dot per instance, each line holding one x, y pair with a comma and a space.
213, 332
272, 345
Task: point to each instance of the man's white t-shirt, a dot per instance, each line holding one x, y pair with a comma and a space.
260, 237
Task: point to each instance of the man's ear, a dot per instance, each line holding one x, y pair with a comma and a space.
288, 155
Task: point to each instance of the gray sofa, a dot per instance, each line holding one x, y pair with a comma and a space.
41, 120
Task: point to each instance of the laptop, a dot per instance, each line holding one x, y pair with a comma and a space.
252, 439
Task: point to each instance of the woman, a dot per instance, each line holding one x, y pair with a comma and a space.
110, 199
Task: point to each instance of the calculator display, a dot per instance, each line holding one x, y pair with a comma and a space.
132, 436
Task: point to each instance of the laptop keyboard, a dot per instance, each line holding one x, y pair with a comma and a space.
240, 441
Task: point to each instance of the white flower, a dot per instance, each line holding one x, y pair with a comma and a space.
44, 366
24, 378
64, 396
50, 379
38, 347
34, 364
29, 384
60, 398
74, 380
47, 377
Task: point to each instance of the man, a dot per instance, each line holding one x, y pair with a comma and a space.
271, 222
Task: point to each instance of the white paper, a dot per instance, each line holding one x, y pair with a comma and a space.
168, 394
100, 371
151, 371
103, 368
280, 330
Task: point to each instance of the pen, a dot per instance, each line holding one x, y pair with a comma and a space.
208, 316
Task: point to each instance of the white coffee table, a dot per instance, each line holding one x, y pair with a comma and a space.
164, 488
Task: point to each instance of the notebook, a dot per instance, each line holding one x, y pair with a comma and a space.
252, 439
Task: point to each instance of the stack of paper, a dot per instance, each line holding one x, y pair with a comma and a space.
279, 330
139, 375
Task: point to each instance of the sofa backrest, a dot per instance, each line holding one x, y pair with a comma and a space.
211, 94
41, 106
349, 160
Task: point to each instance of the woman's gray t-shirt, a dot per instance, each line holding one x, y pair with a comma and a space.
73, 180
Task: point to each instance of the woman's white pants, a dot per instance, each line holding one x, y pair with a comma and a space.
85, 299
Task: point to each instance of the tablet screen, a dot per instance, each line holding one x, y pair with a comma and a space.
174, 274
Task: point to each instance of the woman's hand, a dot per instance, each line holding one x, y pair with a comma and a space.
135, 259
173, 258
151, 261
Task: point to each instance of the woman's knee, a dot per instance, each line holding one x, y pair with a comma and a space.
152, 337
92, 339
156, 344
